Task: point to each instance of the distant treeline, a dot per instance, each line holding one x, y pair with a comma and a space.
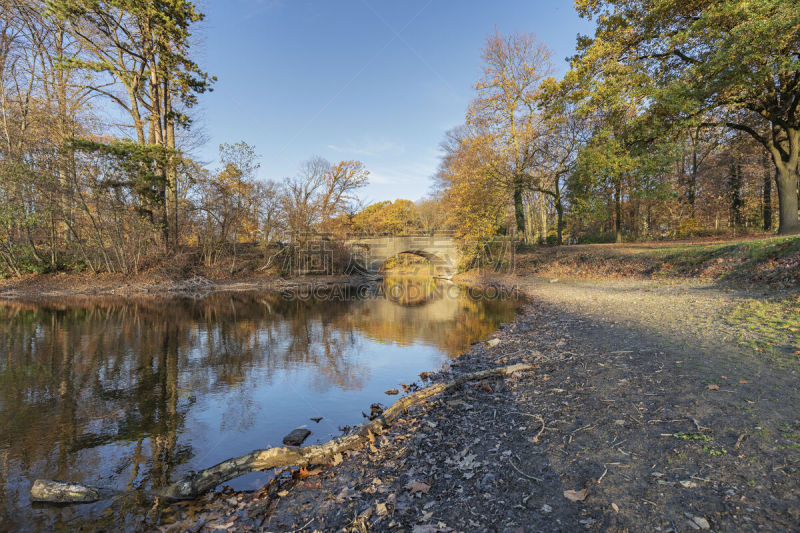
670, 122
675, 119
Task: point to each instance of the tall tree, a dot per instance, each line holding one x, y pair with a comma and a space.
143, 47
505, 110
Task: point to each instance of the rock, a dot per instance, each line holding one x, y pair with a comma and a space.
701, 522
491, 343
296, 437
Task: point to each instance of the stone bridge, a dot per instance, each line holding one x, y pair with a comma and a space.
370, 253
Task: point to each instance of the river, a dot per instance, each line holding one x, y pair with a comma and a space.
132, 394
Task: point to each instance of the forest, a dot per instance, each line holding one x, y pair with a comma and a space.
674, 120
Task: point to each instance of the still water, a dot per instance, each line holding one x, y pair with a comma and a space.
133, 394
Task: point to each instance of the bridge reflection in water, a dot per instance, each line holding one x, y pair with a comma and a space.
134, 393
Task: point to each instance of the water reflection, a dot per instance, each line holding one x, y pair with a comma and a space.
132, 394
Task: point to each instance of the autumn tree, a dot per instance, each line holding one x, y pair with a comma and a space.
505, 111
388, 218
731, 60
320, 193
476, 206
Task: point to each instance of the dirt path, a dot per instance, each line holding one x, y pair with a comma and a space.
644, 397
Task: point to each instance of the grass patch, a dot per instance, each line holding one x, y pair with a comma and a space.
692, 436
714, 450
770, 326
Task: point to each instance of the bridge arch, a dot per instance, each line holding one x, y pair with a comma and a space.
370, 253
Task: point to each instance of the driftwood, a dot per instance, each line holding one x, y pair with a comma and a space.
201, 482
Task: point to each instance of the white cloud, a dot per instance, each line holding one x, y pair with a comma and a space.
365, 148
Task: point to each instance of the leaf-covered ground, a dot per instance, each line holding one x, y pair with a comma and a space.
771, 260
651, 409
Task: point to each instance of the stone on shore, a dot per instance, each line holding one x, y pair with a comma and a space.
296, 437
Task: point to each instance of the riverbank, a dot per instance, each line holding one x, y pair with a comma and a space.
653, 407
66, 285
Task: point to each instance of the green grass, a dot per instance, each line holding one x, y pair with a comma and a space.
714, 450
692, 436
771, 326
745, 255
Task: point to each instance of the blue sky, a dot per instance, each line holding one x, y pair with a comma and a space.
375, 80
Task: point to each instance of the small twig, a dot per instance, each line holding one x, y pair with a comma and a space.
541, 429
303, 526
581, 429
523, 473
698, 426
602, 476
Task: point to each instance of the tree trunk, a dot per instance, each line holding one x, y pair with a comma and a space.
559, 221
785, 155
766, 208
172, 174
519, 208
692, 188
618, 213
735, 195
786, 180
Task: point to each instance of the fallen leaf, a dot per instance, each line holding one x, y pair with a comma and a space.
615, 507
221, 526
486, 387
337, 459
283, 493
380, 509
576, 495
701, 522
418, 486
743, 382
392, 392
713, 386
304, 472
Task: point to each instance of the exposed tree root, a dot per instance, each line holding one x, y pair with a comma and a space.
201, 482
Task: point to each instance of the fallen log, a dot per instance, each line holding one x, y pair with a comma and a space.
201, 482
44, 490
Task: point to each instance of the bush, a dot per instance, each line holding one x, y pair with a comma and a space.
597, 237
